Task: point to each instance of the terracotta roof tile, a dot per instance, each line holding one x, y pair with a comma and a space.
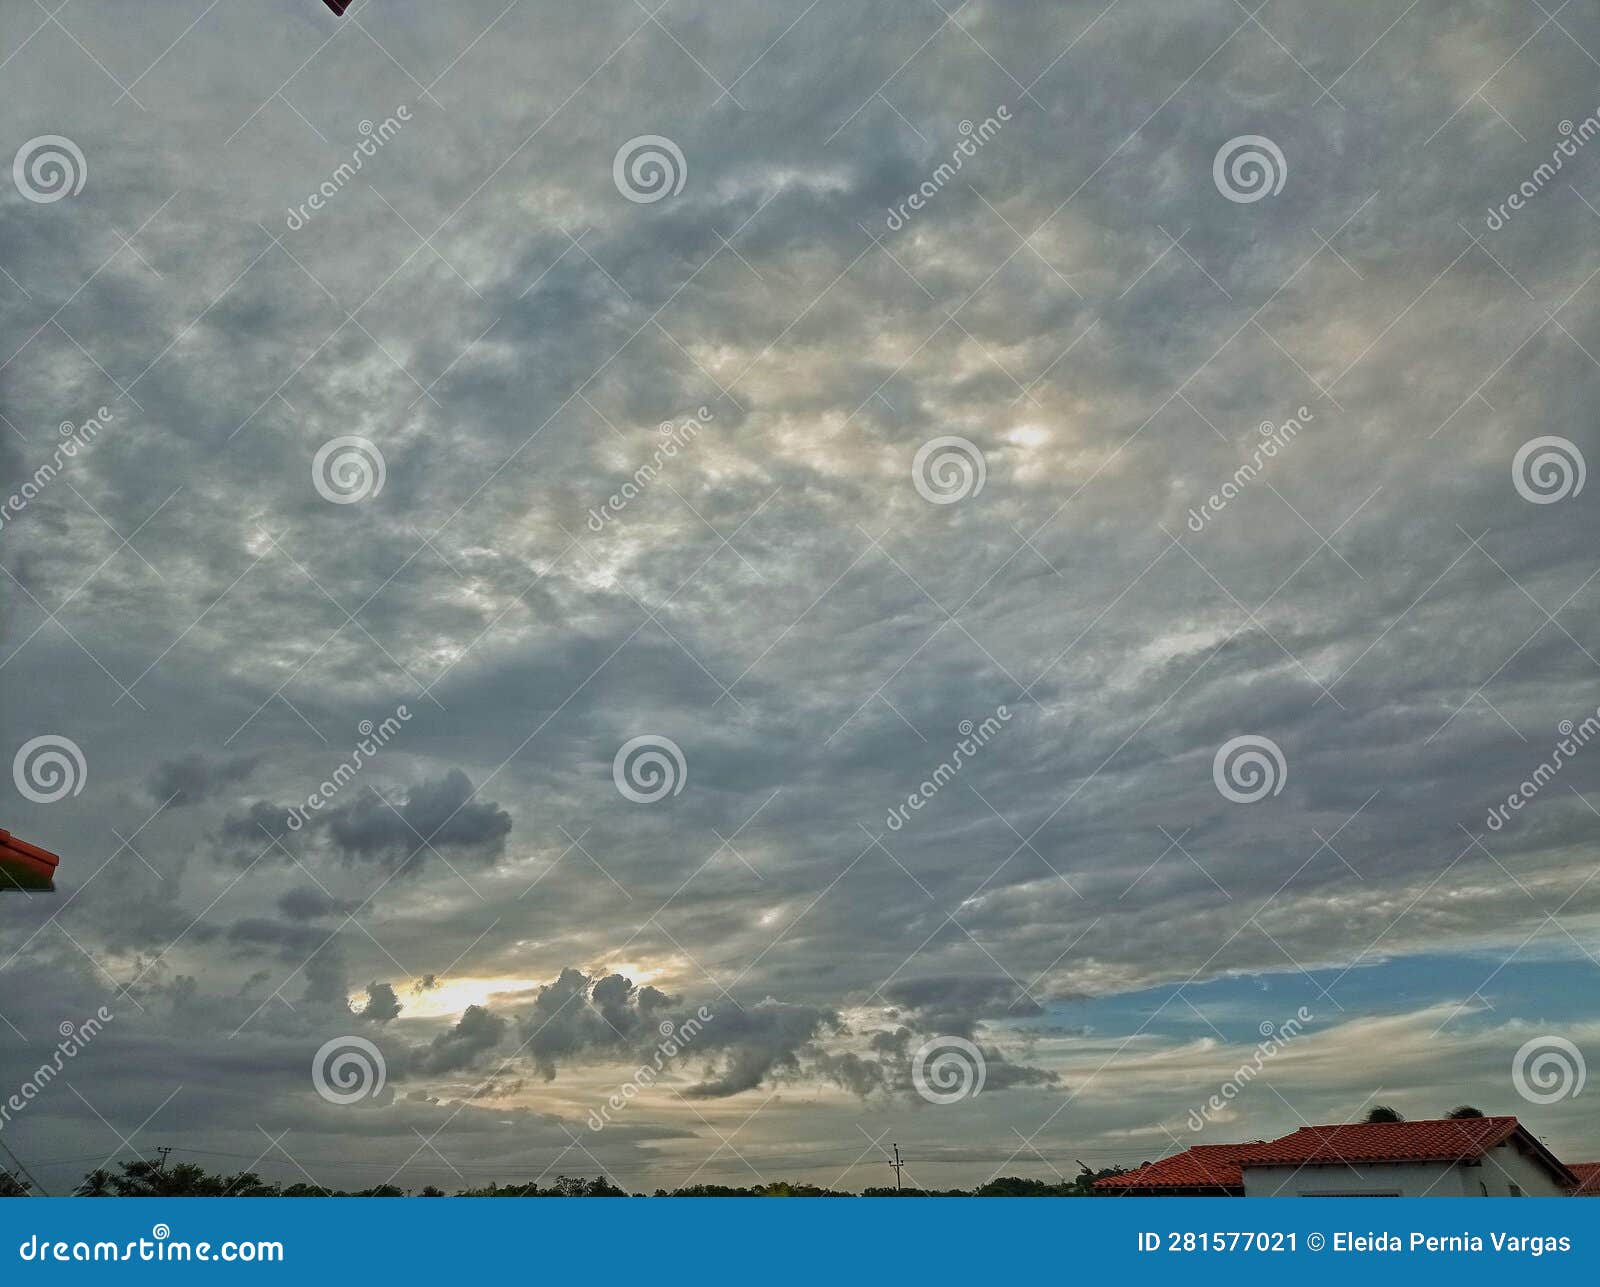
1203, 1166
1588, 1174
25, 866
1446, 1140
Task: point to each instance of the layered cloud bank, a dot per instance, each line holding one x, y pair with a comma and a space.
945, 460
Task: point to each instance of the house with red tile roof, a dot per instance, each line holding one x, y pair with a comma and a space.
1206, 1170
25, 867
1588, 1174
1449, 1157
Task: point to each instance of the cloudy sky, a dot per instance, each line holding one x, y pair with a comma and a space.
940, 431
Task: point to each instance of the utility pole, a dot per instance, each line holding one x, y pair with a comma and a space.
161, 1166
898, 1167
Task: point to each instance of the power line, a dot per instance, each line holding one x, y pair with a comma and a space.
898, 1166
18, 1162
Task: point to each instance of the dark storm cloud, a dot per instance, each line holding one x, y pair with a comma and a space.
577, 1015
956, 1005
290, 938
306, 903
901, 1053
751, 1044
477, 1032
255, 827
441, 812
736, 1047
382, 1003
194, 778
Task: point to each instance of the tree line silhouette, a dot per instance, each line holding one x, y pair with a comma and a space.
143, 1179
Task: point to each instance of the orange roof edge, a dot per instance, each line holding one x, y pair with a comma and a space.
1588, 1174
9, 841
26, 868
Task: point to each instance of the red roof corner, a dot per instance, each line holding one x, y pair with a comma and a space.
1211, 1168
1588, 1174
25, 867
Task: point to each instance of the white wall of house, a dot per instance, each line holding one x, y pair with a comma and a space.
1500, 1169
1407, 1179
1505, 1166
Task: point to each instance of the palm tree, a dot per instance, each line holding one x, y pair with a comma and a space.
1383, 1113
182, 1180
1461, 1111
97, 1184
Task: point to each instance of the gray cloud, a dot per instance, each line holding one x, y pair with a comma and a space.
579, 1015
382, 1004
441, 812
751, 1044
780, 600
477, 1032
193, 778
440, 815
307, 903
